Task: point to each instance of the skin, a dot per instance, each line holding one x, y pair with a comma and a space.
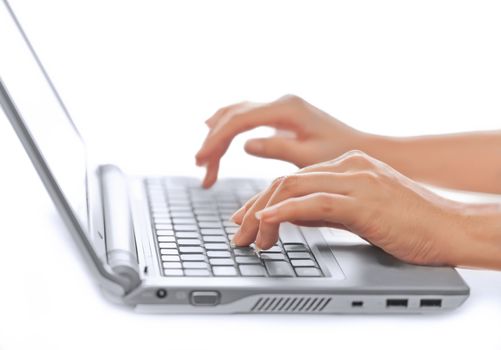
365, 183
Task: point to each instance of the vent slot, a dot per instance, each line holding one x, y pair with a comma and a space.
291, 304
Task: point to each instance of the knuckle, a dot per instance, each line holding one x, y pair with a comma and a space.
355, 152
290, 98
277, 181
358, 158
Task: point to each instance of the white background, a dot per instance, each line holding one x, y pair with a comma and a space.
140, 77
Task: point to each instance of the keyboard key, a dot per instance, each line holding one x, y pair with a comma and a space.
209, 224
248, 260
272, 256
161, 215
214, 239
174, 209
184, 221
208, 218
163, 226
299, 255
165, 232
191, 249
274, 249
216, 246
279, 268
167, 245
228, 223
234, 206
192, 257
221, 261
218, 254
187, 234
195, 265
197, 272
226, 217
225, 211
189, 242
185, 228
308, 272
162, 221
252, 270
302, 263
170, 258
212, 231
295, 248
244, 251
224, 271
205, 211
166, 239
157, 209
182, 214
169, 252
179, 202
173, 272
231, 230
171, 265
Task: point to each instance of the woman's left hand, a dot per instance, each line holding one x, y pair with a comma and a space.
363, 195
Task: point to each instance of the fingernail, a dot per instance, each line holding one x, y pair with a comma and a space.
255, 146
235, 214
232, 242
201, 163
257, 248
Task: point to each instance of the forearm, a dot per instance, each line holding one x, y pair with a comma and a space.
466, 161
477, 243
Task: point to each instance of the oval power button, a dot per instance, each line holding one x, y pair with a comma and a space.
205, 298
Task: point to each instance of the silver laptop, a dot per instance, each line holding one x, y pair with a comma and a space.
162, 244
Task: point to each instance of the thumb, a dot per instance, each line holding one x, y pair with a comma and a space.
283, 148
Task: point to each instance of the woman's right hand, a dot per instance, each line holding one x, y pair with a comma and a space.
311, 135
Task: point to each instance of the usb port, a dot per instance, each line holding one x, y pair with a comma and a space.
357, 303
430, 303
396, 302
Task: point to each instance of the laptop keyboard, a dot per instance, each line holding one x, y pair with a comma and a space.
192, 228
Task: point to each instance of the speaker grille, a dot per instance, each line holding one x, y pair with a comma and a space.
291, 304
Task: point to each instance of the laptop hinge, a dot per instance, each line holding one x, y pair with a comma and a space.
121, 251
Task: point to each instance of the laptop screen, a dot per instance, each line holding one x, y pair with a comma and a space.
43, 114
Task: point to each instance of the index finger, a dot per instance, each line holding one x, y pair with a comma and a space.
276, 114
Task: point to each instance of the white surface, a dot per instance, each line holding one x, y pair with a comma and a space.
141, 76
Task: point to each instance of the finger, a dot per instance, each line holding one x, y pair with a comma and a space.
211, 173
217, 142
283, 148
248, 229
334, 208
319, 223
214, 119
300, 185
238, 216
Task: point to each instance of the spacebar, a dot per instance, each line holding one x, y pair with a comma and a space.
279, 268
289, 234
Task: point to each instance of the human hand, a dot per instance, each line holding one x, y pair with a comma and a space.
361, 194
316, 137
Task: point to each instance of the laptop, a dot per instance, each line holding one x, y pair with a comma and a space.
161, 244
